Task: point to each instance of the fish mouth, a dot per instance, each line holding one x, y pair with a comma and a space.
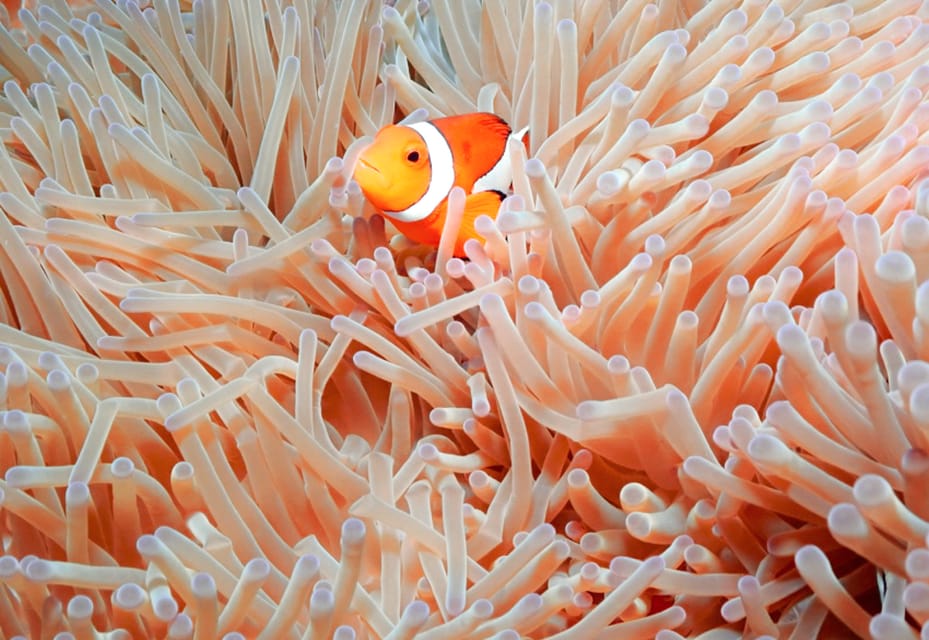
367, 166
370, 178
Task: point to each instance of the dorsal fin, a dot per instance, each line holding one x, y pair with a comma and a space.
477, 140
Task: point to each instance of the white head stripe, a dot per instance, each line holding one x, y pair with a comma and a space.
443, 174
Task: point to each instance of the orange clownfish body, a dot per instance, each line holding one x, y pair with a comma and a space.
409, 170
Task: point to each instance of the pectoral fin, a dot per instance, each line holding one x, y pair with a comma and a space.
482, 203
429, 231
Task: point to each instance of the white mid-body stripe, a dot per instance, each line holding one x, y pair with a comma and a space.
501, 174
498, 178
443, 174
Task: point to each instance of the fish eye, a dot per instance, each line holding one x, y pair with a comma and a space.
412, 156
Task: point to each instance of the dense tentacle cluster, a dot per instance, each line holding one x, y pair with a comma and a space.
683, 385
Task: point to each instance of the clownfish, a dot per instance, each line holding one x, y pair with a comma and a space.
409, 170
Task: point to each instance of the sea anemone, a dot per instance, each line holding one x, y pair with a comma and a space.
681, 389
